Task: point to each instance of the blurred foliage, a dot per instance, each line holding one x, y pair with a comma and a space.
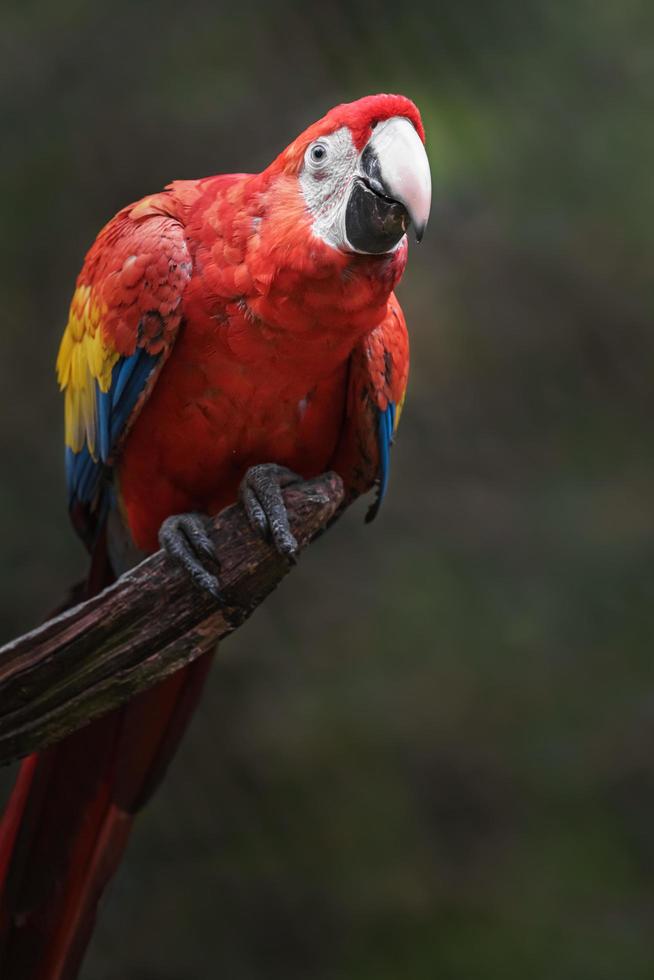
429, 754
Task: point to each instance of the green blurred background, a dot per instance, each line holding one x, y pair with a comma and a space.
430, 753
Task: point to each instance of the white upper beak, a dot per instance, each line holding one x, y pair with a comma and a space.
404, 168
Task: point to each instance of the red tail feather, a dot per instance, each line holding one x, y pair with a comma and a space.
68, 820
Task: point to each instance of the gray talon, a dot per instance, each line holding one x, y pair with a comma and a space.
185, 539
253, 510
261, 496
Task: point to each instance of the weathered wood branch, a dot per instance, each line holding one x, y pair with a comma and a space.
147, 625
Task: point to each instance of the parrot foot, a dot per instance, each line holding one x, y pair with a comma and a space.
261, 495
185, 539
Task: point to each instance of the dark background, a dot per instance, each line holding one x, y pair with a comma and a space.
431, 753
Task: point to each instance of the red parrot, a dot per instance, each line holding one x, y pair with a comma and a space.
227, 336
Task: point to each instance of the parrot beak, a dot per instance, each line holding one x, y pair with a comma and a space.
392, 189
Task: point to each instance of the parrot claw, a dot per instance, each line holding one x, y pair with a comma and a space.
185, 539
261, 495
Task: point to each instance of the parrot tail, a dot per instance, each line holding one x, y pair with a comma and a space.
68, 819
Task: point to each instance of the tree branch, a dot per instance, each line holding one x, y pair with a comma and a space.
147, 625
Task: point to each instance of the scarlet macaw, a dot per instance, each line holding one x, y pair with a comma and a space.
225, 335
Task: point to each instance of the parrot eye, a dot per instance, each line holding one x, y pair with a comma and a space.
317, 154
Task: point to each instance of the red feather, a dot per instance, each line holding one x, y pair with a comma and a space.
281, 349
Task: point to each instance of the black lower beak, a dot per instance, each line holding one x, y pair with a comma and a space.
373, 223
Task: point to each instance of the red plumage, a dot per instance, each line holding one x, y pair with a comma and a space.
292, 320
268, 344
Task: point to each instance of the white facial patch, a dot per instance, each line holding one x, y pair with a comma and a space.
325, 182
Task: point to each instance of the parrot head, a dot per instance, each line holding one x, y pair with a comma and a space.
363, 174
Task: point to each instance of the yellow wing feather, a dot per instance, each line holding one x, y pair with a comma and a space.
84, 359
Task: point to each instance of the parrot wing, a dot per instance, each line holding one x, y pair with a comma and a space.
379, 369
124, 317
66, 825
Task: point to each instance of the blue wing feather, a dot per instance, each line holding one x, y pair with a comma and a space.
385, 430
104, 399
84, 470
131, 375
